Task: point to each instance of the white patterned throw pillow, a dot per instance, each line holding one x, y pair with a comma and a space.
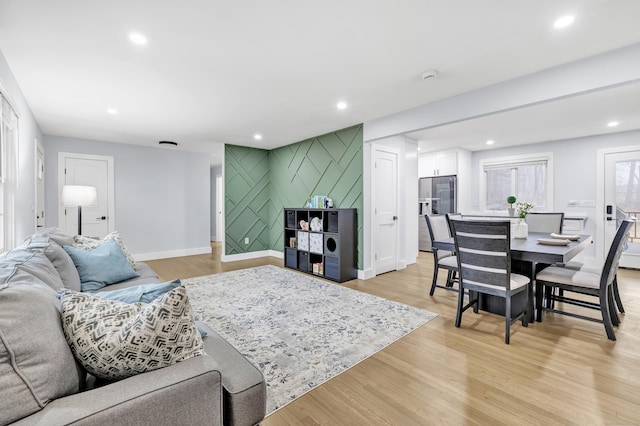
87, 243
115, 340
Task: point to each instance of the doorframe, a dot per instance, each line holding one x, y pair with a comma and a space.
219, 208
111, 213
39, 174
374, 243
600, 206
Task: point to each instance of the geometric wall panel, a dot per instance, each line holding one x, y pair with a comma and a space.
246, 176
328, 165
259, 184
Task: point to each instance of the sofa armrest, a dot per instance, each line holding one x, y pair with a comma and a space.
189, 392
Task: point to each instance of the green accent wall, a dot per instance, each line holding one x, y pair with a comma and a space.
246, 189
259, 184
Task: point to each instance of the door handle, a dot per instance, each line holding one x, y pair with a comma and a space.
395, 218
101, 218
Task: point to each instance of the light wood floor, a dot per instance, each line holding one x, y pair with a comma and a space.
560, 371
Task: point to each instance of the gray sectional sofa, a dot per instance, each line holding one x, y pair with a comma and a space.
41, 383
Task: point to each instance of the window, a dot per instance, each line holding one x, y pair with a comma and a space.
8, 152
526, 177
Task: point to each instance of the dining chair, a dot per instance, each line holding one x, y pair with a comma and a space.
596, 267
596, 284
442, 259
483, 249
546, 222
454, 216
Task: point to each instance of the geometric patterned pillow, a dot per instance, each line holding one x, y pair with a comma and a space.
86, 243
115, 340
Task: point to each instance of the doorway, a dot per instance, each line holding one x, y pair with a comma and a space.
40, 185
219, 209
385, 209
91, 170
622, 199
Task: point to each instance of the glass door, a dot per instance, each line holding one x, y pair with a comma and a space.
622, 199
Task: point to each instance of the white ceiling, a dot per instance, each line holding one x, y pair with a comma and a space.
218, 72
571, 117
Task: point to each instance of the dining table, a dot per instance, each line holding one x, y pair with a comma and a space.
528, 256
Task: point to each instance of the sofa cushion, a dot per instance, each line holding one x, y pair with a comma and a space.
55, 234
101, 266
36, 364
47, 242
25, 262
87, 243
147, 276
144, 293
114, 340
64, 265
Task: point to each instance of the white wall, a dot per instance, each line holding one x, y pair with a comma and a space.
162, 196
28, 133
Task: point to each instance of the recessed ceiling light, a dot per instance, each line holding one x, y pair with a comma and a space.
612, 123
257, 136
489, 142
563, 22
137, 38
341, 105
112, 111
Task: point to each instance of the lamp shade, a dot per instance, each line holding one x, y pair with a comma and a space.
79, 195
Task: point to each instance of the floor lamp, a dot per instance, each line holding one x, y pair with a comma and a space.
78, 196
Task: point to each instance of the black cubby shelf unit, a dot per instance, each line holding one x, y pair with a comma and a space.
329, 250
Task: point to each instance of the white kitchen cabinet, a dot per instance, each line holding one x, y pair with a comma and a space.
438, 164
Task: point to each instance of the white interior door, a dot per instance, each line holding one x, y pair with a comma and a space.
219, 208
385, 208
39, 186
91, 170
622, 192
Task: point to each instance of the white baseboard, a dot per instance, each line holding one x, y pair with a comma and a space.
141, 257
251, 255
365, 274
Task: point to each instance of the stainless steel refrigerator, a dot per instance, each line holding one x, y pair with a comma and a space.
436, 195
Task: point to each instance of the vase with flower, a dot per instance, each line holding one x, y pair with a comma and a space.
520, 228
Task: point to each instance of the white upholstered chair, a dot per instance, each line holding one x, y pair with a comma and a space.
589, 283
545, 222
442, 259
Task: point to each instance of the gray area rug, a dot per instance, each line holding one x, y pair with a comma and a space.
299, 330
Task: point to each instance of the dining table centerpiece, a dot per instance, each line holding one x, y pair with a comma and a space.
511, 199
520, 228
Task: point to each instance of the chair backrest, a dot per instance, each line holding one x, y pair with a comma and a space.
454, 216
545, 222
484, 254
438, 227
610, 268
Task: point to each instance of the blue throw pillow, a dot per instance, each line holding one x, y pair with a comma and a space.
144, 293
101, 266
